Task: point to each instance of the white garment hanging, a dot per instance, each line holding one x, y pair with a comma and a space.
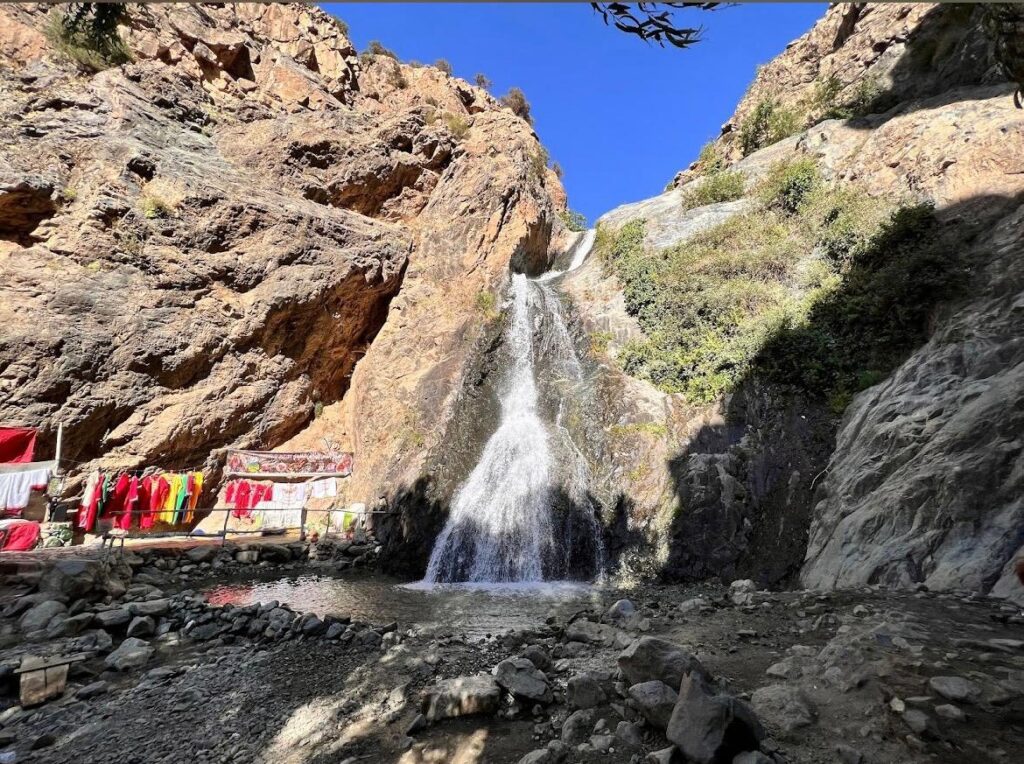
324, 488
17, 485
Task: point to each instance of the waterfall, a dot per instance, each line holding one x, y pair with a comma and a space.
524, 513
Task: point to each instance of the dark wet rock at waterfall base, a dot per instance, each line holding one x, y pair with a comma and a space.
651, 658
709, 728
655, 701
461, 696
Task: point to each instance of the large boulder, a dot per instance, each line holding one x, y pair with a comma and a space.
655, 701
39, 616
783, 706
651, 658
591, 633
709, 728
72, 578
460, 696
112, 619
132, 653
523, 680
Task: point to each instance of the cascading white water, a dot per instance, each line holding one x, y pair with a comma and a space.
502, 526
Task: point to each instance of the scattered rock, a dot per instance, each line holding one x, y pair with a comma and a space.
784, 706
132, 653
591, 633
141, 626
583, 691
955, 688
651, 658
709, 728
664, 756
578, 726
460, 696
524, 680
621, 610
112, 619
92, 690
919, 722
39, 616
742, 592
655, 701
629, 734
150, 607
951, 712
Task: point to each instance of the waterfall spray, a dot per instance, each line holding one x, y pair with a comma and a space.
502, 526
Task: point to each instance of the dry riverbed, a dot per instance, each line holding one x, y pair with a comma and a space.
865, 676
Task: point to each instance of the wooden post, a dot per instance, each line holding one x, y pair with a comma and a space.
60, 442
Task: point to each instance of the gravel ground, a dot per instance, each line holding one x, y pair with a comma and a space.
859, 662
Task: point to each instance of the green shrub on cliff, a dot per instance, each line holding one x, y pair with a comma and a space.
821, 287
768, 123
573, 220
718, 186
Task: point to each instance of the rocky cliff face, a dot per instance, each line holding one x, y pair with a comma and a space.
197, 247
918, 480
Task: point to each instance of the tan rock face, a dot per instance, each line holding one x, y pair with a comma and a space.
196, 248
896, 52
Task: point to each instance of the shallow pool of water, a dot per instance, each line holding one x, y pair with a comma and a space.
472, 610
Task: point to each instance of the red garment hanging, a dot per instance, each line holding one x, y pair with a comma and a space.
87, 511
131, 500
147, 487
242, 495
117, 502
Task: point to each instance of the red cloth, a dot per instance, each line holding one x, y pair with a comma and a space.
87, 511
129, 503
20, 536
147, 487
241, 491
117, 503
17, 444
261, 492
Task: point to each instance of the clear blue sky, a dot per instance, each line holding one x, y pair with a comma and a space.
620, 116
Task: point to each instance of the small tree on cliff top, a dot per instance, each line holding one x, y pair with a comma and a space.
515, 99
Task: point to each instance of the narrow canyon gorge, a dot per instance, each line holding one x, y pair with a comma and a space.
766, 423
